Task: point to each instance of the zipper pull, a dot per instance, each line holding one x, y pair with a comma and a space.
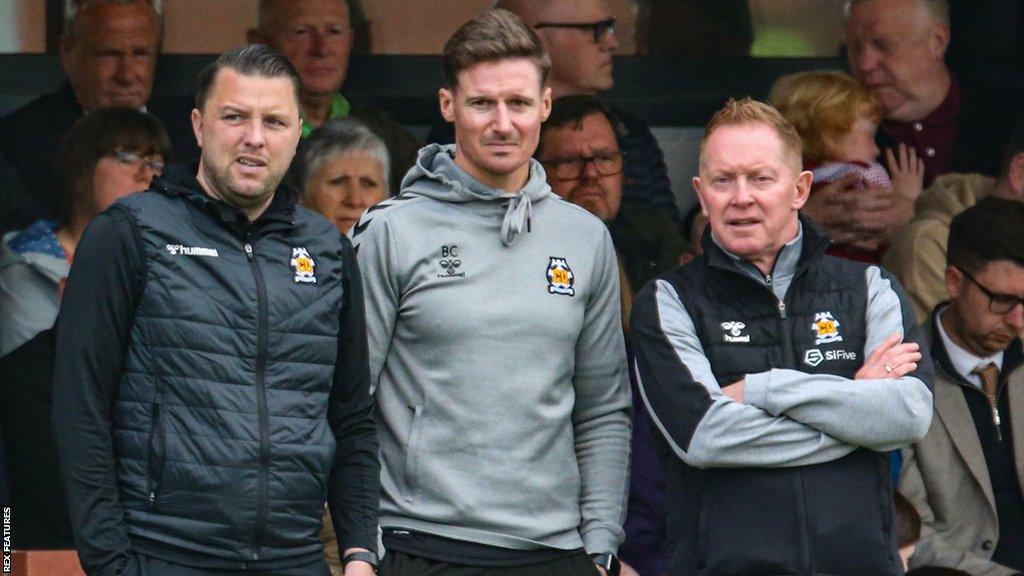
248, 251
782, 309
768, 280
995, 420
152, 499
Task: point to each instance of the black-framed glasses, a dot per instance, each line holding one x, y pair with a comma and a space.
136, 161
997, 303
607, 164
601, 28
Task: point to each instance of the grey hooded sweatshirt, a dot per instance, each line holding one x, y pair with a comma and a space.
498, 358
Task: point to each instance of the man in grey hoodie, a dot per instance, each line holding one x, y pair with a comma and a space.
495, 339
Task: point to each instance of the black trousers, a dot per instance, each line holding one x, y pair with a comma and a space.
399, 564
141, 565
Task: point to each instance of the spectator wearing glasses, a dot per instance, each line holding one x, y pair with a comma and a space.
317, 36
108, 154
918, 255
965, 476
580, 36
584, 165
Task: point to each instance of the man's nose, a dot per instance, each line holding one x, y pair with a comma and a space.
320, 43
502, 119
1015, 318
864, 60
123, 72
254, 133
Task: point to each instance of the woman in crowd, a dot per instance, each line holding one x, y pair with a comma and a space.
342, 169
107, 154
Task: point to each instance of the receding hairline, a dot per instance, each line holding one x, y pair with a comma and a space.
73, 10
266, 8
794, 155
938, 9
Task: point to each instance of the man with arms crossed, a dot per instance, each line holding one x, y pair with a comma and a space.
211, 380
778, 376
495, 338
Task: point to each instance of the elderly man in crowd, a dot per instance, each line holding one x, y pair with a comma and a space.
918, 255
108, 52
897, 49
212, 307
495, 339
965, 476
316, 36
778, 375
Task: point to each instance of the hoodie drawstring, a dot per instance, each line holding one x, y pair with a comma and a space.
520, 211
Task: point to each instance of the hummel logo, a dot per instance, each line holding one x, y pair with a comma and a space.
178, 249
734, 332
450, 263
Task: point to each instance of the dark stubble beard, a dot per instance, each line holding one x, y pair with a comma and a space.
222, 189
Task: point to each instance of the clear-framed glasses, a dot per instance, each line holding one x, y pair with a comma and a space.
137, 162
997, 303
600, 29
607, 164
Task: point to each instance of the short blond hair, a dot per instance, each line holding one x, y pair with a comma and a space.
750, 111
823, 107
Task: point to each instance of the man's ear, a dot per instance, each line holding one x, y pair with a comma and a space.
700, 197
1015, 175
447, 101
803, 189
545, 103
954, 280
66, 45
939, 40
255, 36
197, 126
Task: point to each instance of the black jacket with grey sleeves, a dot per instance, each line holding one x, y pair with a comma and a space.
795, 479
211, 381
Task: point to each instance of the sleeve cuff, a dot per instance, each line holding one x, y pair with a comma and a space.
755, 391
601, 541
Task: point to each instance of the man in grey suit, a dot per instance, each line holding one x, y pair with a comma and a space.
965, 476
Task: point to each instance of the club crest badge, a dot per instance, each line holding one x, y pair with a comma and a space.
303, 266
560, 277
826, 329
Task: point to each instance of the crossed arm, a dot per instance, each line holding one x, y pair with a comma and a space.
786, 417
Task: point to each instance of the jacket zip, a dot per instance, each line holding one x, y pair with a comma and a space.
261, 399
996, 420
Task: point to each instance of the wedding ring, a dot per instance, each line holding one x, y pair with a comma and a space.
888, 368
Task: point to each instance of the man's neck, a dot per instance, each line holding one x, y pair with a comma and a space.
251, 212
316, 108
950, 322
558, 89
1005, 191
932, 98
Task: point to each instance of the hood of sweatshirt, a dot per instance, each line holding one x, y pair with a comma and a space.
435, 175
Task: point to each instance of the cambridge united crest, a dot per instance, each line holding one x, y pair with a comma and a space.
303, 266
560, 277
826, 329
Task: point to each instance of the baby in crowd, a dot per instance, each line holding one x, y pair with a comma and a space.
837, 118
